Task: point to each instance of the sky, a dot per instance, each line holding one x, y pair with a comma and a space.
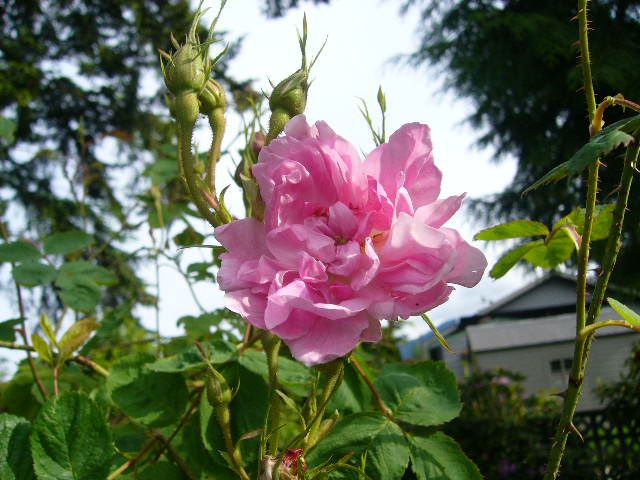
362, 39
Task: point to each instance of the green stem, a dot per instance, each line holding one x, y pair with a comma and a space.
583, 342
589, 331
335, 374
574, 388
272, 348
185, 159
218, 123
614, 242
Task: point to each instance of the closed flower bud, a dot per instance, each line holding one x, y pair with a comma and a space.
212, 97
290, 95
187, 70
218, 391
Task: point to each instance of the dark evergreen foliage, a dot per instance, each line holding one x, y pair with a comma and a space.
516, 61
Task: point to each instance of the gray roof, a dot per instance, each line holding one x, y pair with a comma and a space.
521, 333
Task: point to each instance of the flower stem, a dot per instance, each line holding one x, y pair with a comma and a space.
185, 160
218, 123
272, 347
335, 374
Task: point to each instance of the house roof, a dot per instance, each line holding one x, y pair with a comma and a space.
521, 333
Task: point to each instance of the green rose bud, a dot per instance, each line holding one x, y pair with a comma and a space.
290, 95
212, 97
187, 69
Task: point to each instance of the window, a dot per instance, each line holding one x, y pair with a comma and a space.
435, 353
561, 365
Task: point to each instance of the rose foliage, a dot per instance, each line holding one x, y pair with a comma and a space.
344, 243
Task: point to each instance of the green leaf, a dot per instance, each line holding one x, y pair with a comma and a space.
7, 129
625, 312
294, 376
435, 456
378, 438
48, 329
555, 251
601, 144
66, 242
513, 256
42, 348
514, 229
76, 336
353, 395
603, 218
80, 282
15, 453
160, 471
200, 271
188, 237
153, 399
424, 393
7, 329
162, 171
71, 440
83, 298
31, 274
219, 352
81, 272
18, 252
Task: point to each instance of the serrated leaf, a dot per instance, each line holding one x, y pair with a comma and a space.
83, 298
514, 229
555, 251
76, 336
219, 352
32, 274
71, 440
18, 252
378, 438
601, 144
188, 237
294, 376
15, 454
353, 395
513, 256
153, 399
435, 456
42, 348
7, 329
625, 312
81, 272
424, 393
62, 243
603, 218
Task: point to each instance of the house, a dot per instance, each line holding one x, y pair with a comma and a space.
532, 332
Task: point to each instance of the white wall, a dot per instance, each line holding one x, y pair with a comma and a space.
608, 356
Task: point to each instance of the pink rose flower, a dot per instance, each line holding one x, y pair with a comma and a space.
344, 243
